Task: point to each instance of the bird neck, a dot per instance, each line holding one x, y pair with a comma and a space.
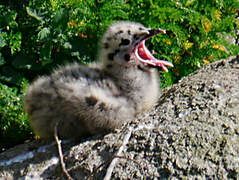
136, 83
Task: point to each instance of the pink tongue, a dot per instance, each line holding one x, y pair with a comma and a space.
147, 58
142, 53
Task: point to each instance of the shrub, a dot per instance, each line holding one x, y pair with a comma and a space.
42, 34
50, 34
14, 126
196, 32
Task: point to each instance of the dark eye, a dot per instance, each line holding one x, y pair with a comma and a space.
91, 101
109, 66
124, 42
111, 56
141, 28
106, 45
119, 32
127, 57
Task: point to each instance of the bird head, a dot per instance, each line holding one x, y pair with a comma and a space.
123, 44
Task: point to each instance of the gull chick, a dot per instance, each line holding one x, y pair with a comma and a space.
88, 100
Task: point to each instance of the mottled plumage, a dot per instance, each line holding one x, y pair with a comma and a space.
100, 97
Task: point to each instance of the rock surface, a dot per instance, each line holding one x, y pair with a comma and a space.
193, 132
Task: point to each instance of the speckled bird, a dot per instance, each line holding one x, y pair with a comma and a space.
94, 99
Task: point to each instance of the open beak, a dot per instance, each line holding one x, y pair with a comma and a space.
144, 55
153, 32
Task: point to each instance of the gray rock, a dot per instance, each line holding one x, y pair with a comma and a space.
193, 132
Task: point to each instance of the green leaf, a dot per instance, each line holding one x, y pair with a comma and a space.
15, 42
61, 18
45, 54
33, 14
2, 61
2, 39
43, 34
67, 45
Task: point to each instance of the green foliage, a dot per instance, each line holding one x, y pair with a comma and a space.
196, 31
12, 37
36, 36
14, 126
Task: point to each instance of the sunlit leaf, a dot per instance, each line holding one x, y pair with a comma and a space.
188, 45
33, 14
206, 24
189, 2
205, 61
221, 48
217, 14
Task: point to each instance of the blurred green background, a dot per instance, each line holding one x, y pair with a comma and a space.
36, 36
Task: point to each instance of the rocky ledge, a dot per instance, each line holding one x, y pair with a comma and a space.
193, 132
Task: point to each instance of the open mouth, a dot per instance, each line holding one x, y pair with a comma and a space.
145, 57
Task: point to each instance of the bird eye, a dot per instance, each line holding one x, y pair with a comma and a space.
124, 42
127, 57
111, 56
109, 38
119, 32
106, 45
